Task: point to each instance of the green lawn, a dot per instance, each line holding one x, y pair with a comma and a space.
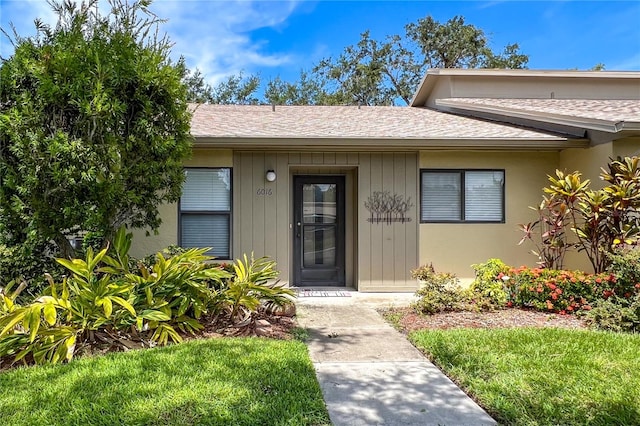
206, 382
543, 376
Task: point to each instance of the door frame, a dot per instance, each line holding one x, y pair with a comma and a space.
298, 230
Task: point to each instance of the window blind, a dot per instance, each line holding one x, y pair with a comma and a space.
483, 196
207, 190
441, 198
201, 231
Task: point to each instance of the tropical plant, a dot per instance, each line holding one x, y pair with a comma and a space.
601, 220
250, 287
103, 301
176, 291
551, 239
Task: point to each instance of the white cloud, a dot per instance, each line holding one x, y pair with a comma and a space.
212, 35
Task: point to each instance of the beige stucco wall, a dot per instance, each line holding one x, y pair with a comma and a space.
167, 233
627, 147
586, 161
455, 247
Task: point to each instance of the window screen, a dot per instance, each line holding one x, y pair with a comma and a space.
205, 211
462, 196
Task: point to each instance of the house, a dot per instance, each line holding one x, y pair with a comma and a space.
358, 196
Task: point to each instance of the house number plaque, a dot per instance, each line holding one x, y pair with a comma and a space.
264, 192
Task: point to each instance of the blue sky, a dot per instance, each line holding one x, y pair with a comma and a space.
279, 38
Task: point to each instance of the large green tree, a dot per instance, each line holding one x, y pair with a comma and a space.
374, 72
371, 72
94, 128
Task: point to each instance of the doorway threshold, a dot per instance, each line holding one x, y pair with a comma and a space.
324, 291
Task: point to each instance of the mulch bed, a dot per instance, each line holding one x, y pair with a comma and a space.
262, 324
265, 325
410, 321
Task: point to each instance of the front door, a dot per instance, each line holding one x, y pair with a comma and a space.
319, 231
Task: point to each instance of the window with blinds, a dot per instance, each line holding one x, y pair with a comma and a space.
205, 211
462, 196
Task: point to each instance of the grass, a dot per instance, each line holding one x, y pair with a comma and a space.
245, 381
542, 376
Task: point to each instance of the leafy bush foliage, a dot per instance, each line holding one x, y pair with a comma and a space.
625, 265
602, 220
616, 314
105, 301
555, 290
250, 287
488, 287
620, 308
438, 292
94, 129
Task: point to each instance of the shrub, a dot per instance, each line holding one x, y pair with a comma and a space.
488, 288
616, 314
249, 287
601, 219
106, 301
24, 263
620, 308
625, 266
555, 290
439, 291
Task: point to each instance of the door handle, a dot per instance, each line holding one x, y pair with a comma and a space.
299, 227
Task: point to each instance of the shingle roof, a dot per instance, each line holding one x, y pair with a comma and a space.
610, 116
350, 122
609, 110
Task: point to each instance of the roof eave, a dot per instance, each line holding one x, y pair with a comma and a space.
609, 126
389, 144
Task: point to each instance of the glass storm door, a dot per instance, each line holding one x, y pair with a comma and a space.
318, 231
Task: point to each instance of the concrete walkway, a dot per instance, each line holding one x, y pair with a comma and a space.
370, 374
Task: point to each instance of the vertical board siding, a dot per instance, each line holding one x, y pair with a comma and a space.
377, 242
389, 232
400, 186
412, 228
270, 208
364, 227
383, 253
283, 232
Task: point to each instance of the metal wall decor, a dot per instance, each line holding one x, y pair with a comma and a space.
388, 208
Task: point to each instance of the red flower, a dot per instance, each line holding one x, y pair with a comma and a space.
509, 304
586, 307
549, 305
637, 285
573, 279
599, 280
552, 286
500, 275
559, 290
607, 294
569, 308
554, 296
